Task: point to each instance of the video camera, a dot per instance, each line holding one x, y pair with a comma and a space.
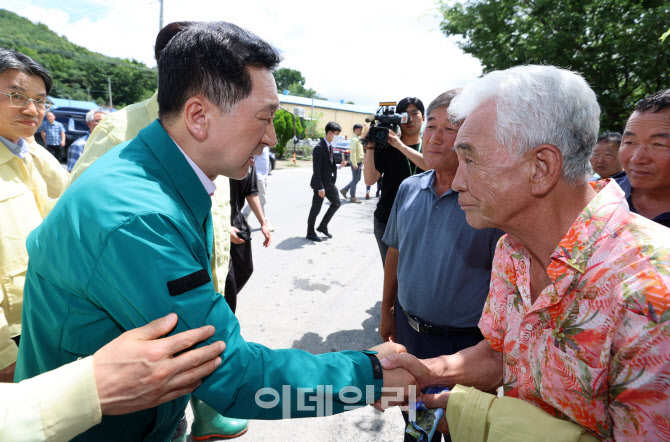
384, 120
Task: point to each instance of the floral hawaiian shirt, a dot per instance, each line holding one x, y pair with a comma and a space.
594, 348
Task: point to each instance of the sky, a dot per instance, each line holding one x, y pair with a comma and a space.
363, 51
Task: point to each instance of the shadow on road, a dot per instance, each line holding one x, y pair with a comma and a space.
345, 339
295, 243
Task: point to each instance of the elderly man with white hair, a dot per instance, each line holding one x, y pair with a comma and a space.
577, 322
93, 118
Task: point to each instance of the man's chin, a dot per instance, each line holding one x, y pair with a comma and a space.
240, 174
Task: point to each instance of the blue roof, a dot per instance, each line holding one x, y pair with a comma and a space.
303, 101
64, 102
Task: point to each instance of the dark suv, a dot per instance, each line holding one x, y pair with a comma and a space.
74, 120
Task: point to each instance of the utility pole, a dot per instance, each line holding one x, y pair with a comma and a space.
109, 88
160, 19
88, 93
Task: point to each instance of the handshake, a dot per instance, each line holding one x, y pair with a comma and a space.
404, 378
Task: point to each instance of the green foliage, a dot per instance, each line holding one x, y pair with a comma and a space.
312, 129
614, 44
294, 82
75, 69
283, 122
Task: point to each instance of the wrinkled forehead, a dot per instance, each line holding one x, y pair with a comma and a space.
477, 131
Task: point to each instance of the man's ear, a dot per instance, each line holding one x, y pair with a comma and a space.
546, 165
197, 117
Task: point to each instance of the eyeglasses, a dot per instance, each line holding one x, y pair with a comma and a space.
20, 100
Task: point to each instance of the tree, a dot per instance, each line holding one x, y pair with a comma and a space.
614, 44
293, 81
286, 77
283, 122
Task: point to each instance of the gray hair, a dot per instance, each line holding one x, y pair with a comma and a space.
23, 63
442, 100
539, 105
90, 115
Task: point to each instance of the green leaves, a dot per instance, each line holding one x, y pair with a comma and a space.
614, 43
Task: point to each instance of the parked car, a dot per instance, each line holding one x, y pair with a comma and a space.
273, 160
341, 148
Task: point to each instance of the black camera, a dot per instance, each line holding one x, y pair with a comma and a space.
385, 119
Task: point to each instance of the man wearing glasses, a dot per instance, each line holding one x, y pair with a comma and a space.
29, 176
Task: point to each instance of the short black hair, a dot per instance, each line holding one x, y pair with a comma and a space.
609, 137
358, 126
442, 100
405, 102
655, 102
210, 59
22, 63
165, 35
333, 127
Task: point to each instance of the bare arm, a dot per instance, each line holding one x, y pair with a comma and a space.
255, 206
370, 172
413, 155
390, 294
479, 366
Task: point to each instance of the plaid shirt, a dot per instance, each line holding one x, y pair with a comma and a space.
53, 132
75, 151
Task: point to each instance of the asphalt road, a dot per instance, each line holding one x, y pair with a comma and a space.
318, 297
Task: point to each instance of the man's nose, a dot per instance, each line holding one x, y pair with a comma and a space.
460, 183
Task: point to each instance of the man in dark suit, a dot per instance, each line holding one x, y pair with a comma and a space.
323, 182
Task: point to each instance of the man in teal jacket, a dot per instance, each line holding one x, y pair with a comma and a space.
131, 240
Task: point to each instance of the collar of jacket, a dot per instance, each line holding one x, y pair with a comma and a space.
177, 169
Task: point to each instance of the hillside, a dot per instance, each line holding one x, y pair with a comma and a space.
77, 72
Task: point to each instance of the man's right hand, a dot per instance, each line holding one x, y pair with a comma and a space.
322, 193
233, 236
7, 374
138, 370
387, 325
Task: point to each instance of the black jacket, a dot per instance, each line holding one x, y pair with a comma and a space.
325, 172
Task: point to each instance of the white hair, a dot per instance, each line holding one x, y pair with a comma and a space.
90, 115
539, 105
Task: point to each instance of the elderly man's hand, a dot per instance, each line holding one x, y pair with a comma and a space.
439, 400
421, 372
138, 370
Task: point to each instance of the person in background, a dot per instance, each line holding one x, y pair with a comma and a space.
605, 156
323, 182
53, 134
356, 160
645, 154
263, 168
401, 159
29, 177
93, 118
241, 258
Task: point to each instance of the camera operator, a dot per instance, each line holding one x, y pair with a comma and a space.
400, 159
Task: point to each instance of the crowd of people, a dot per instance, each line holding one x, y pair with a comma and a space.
507, 262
